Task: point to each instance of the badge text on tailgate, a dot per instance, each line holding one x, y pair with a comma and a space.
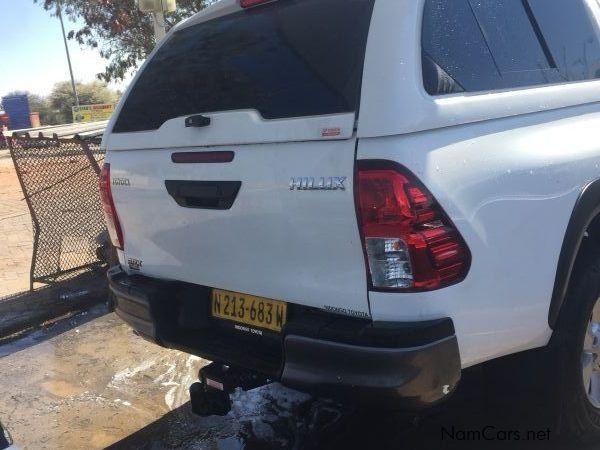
317, 184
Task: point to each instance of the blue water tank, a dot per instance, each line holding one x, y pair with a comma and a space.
17, 108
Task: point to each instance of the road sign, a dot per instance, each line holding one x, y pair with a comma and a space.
93, 113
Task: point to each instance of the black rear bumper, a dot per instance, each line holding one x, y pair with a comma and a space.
406, 365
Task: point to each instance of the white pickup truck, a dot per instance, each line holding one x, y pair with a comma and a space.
365, 197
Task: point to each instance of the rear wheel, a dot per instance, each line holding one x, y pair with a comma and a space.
590, 358
112, 259
578, 358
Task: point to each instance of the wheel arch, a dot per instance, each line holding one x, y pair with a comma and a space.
585, 216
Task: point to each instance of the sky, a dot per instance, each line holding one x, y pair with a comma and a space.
32, 52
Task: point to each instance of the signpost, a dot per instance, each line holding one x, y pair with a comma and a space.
158, 8
92, 113
62, 25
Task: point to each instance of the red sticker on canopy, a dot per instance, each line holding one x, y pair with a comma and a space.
331, 132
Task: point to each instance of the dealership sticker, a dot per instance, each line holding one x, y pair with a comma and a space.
331, 132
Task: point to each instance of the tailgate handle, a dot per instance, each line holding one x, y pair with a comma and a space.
197, 121
204, 194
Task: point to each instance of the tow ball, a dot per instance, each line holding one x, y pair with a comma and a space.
211, 396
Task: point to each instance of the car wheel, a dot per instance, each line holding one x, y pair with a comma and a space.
579, 351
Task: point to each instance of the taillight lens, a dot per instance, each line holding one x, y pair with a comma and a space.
108, 205
410, 244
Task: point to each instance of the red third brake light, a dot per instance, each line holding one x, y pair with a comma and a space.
108, 205
410, 244
251, 3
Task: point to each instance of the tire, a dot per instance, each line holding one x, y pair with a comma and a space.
580, 409
111, 301
112, 259
4, 438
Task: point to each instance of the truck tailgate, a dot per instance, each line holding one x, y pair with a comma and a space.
301, 246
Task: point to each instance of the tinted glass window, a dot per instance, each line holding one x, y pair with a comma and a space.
289, 58
509, 36
572, 32
484, 45
452, 40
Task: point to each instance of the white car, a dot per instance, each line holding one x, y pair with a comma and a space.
365, 197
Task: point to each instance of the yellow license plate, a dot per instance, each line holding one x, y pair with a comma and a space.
249, 310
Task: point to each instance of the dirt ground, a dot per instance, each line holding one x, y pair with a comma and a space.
16, 239
90, 383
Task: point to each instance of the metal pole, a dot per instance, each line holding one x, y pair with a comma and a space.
158, 18
62, 25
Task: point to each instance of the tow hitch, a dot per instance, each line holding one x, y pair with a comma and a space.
211, 395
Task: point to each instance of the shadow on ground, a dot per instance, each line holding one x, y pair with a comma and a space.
88, 382
48, 330
28, 310
474, 419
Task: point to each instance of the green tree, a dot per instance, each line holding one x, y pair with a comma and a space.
61, 98
123, 34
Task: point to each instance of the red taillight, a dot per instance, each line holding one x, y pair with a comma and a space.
410, 244
108, 205
251, 3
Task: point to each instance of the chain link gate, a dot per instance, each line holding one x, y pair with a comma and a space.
60, 181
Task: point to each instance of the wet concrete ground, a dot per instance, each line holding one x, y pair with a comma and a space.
90, 383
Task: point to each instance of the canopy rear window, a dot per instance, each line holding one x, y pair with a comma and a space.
289, 58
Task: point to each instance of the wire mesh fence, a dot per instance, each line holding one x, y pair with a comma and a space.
60, 179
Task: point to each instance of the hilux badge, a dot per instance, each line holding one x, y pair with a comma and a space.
317, 184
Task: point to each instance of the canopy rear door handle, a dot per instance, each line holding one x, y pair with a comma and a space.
204, 194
